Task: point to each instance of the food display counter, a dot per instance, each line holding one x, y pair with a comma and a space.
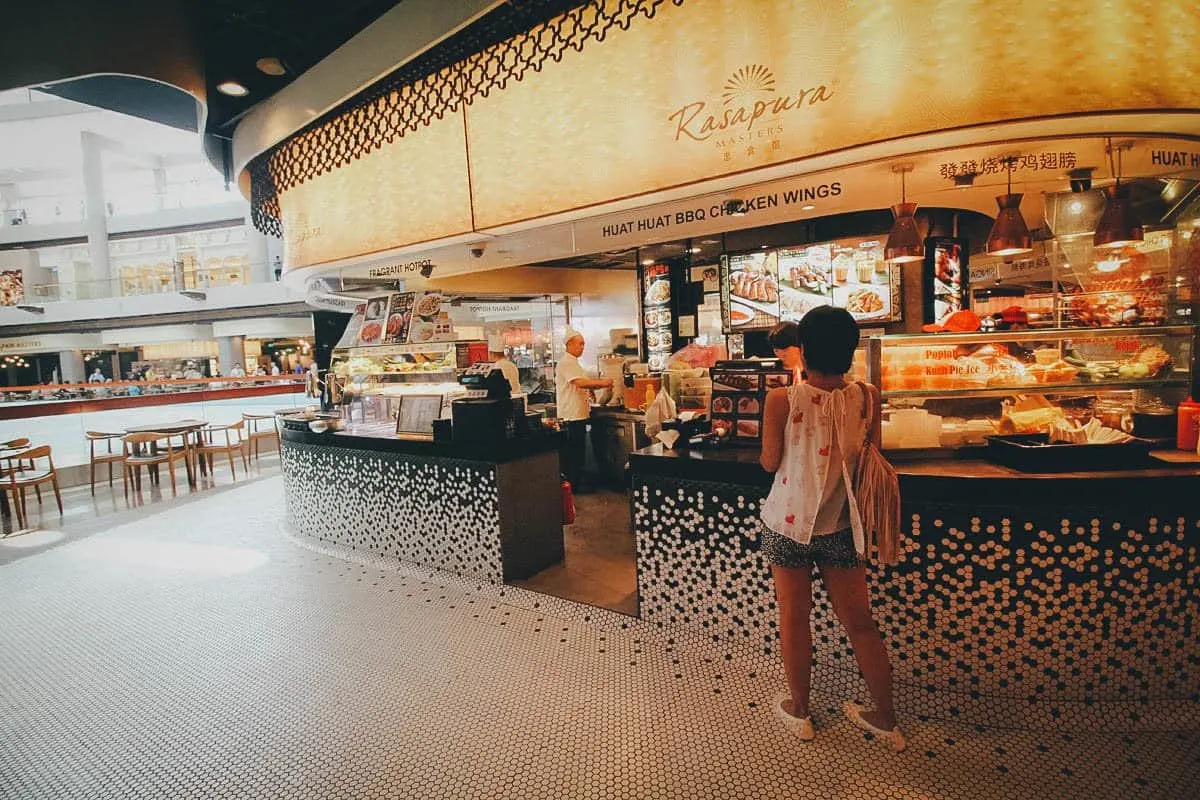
1021, 598
482, 502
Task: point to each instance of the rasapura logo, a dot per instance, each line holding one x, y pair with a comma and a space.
749, 96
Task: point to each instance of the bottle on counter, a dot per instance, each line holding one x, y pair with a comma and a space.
1187, 425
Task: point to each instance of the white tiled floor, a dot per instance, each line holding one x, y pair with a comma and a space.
195, 651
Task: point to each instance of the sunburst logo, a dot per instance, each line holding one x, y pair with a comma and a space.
748, 82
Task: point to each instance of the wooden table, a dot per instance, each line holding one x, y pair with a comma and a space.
182, 427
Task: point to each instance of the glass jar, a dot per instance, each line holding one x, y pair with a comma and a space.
843, 264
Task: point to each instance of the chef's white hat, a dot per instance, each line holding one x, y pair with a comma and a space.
570, 333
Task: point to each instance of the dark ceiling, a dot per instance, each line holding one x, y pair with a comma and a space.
298, 32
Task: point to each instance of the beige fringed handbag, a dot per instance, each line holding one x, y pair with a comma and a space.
877, 490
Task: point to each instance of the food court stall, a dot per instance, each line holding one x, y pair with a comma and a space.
1046, 447
410, 463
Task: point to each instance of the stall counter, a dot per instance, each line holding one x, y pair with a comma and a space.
1022, 599
487, 512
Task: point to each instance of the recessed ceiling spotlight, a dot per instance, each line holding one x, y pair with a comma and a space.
646, 262
694, 250
271, 66
808, 207
232, 88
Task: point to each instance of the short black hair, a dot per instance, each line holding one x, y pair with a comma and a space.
784, 335
829, 336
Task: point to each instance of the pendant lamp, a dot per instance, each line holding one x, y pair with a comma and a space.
1118, 227
904, 242
1010, 235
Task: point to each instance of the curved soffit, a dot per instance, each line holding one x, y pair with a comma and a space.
137, 57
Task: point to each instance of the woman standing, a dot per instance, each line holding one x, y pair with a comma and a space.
813, 434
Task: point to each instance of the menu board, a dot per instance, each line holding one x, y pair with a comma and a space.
805, 280
759, 289
738, 398
656, 315
398, 317
945, 277
371, 331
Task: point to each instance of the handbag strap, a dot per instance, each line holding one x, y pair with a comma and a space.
866, 412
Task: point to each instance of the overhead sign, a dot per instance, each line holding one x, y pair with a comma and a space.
780, 201
51, 343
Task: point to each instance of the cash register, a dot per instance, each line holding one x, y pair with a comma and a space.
489, 412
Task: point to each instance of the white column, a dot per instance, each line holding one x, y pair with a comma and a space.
258, 253
230, 350
70, 367
96, 223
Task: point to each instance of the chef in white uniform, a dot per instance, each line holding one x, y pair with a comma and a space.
573, 390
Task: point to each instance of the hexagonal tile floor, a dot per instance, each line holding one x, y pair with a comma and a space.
197, 651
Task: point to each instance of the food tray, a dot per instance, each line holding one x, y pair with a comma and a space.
1034, 453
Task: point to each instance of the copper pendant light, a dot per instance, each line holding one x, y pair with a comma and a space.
904, 242
1118, 227
1010, 235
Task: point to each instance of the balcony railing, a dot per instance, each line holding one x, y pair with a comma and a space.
143, 282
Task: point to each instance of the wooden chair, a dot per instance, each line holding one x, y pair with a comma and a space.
150, 450
260, 427
14, 444
19, 479
106, 456
233, 441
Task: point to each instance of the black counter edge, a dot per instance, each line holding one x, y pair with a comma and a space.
496, 453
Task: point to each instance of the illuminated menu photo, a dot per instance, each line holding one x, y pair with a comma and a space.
761, 288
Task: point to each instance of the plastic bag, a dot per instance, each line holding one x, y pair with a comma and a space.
660, 411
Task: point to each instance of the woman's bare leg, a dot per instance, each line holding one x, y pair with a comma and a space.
793, 595
848, 591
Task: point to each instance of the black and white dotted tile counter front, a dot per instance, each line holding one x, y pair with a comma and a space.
1025, 617
437, 512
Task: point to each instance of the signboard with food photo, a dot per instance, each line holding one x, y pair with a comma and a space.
750, 289
759, 289
945, 279
371, 332
398, 318
657, 317
12, 287
738, 398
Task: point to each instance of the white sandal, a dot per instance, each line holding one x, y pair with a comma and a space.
802, 727
894, 738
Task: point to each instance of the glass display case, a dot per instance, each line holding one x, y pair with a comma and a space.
366, 383
954, 390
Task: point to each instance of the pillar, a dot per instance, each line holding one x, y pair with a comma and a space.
258, 254
96, 223
70, 367
230, 350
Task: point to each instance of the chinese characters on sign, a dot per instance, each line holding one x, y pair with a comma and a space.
995, 165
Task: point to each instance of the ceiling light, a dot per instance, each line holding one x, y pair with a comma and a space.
1010, 235
693, 249
232, 88
904, 242
808, 207
1075, 206
647, 262
1118, 226
271, 66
